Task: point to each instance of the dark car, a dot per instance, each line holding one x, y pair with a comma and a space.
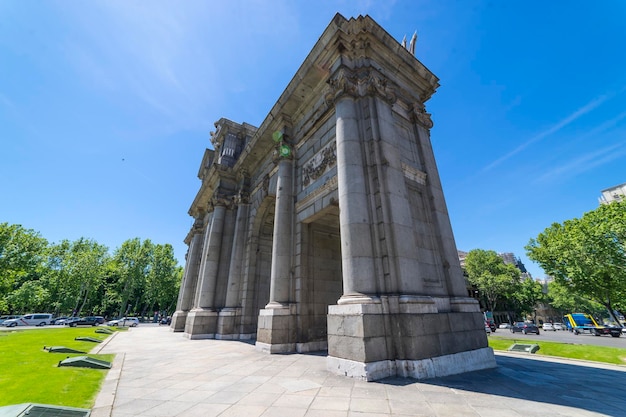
524, 328
85, 321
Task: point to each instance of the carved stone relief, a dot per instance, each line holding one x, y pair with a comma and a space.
319, 164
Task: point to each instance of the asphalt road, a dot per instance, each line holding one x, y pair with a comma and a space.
563, 336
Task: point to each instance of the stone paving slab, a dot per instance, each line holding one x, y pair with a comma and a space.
160, 373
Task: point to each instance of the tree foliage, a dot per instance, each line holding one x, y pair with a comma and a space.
22, 253
587, 255
494, 279
81, 277
562, 298
528, 294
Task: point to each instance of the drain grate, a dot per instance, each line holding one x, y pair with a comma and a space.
519, 347
42, 410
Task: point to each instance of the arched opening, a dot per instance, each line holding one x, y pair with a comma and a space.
322, 282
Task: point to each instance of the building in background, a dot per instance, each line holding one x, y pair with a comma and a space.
616, 193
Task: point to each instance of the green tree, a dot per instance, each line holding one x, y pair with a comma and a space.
22, 255
30, 296
564, 299
494, 279
133, 261
75, 272
528, 293
163, 280
587, 255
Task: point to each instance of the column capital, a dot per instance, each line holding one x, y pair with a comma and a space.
343, 83
420, 116
242, 197
363, 82
220, 200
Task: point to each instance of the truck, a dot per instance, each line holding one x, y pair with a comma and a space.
581, 322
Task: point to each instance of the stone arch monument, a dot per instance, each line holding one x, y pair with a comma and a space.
326, 227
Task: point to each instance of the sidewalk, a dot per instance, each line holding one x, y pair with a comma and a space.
160, 373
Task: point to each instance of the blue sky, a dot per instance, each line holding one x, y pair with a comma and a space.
106, 106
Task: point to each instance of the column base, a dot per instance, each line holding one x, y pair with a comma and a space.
436, 367
228, 323
276, 331
201, 324
409, 338
178, 321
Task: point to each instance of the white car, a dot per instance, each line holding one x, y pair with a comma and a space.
38, 319
548, 326
558, 326
124, 321
504, 326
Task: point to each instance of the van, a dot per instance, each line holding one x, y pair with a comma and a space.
37, 319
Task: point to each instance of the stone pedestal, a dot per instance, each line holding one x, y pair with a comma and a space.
400, 338
276, 332
227, 328
178, 321
201, 324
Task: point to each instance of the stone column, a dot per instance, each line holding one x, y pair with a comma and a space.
359, 272
202, 320
396, 210
281, 241
190, 279
276, 329
206, 295
227, 321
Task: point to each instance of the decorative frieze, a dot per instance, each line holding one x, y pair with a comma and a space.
319, 164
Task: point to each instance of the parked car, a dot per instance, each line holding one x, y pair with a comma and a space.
37, 319
5, 318
524, 328
66, 320
58, 320
558, 326
85, 321
548, 326
504, 326
124, 321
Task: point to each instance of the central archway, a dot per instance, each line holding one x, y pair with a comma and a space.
321, 283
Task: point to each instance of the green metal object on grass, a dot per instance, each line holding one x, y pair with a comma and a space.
88, 339
61, 349
85, 362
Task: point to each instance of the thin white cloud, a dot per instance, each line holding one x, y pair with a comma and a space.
585, 162
568, 120
604, 127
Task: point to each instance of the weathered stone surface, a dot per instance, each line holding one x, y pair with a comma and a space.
326, 226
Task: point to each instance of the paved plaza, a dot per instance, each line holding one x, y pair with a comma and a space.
160, 373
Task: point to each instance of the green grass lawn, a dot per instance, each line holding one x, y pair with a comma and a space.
604, 354
29, 374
